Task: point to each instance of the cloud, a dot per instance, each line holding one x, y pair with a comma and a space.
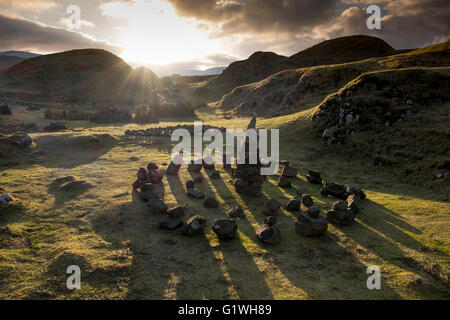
30, 5
405, 23
21, 34
257, 16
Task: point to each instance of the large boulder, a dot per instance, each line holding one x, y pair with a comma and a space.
225, 228
310, 224
268, 232
194, 226
21, 140
335, 190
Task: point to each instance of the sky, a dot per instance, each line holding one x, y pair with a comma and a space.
170, 36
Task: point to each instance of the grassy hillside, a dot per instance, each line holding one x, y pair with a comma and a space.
263, 64
110, 233
294, 90
79, 75
344, 49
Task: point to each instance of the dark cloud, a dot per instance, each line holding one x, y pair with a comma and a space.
20, 34
405, 23
258, 16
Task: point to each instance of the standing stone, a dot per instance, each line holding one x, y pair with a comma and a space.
225, 228
354, 204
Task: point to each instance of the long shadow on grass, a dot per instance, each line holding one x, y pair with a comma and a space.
164, 264
320, 267
245, 278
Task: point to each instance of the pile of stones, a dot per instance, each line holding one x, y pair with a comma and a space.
247, 178
310, 223
167, 131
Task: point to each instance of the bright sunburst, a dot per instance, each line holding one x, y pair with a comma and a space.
155, 34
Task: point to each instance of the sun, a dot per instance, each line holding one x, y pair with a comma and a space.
155, 34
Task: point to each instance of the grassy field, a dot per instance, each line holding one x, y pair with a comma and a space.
110, 233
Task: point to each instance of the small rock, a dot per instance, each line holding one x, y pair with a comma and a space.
313, 212
211, 202
284, 182
190, 184
340, 205
21, 140
307, 200
225, 228
237, 212
289, 172
272, 208
176, 212
195, 194
293, 205
194, 226
268, 232
170, 223
314, 177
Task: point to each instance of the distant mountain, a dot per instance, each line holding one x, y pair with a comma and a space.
344, 49
20, 54
9, 61
258, 66
81, 75
207, 72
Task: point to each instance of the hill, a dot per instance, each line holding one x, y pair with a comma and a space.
263, 64
79, 75
9, 61
294, 90
258, 66
20, 54
344, 49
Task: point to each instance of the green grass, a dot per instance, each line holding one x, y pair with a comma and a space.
123, 254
